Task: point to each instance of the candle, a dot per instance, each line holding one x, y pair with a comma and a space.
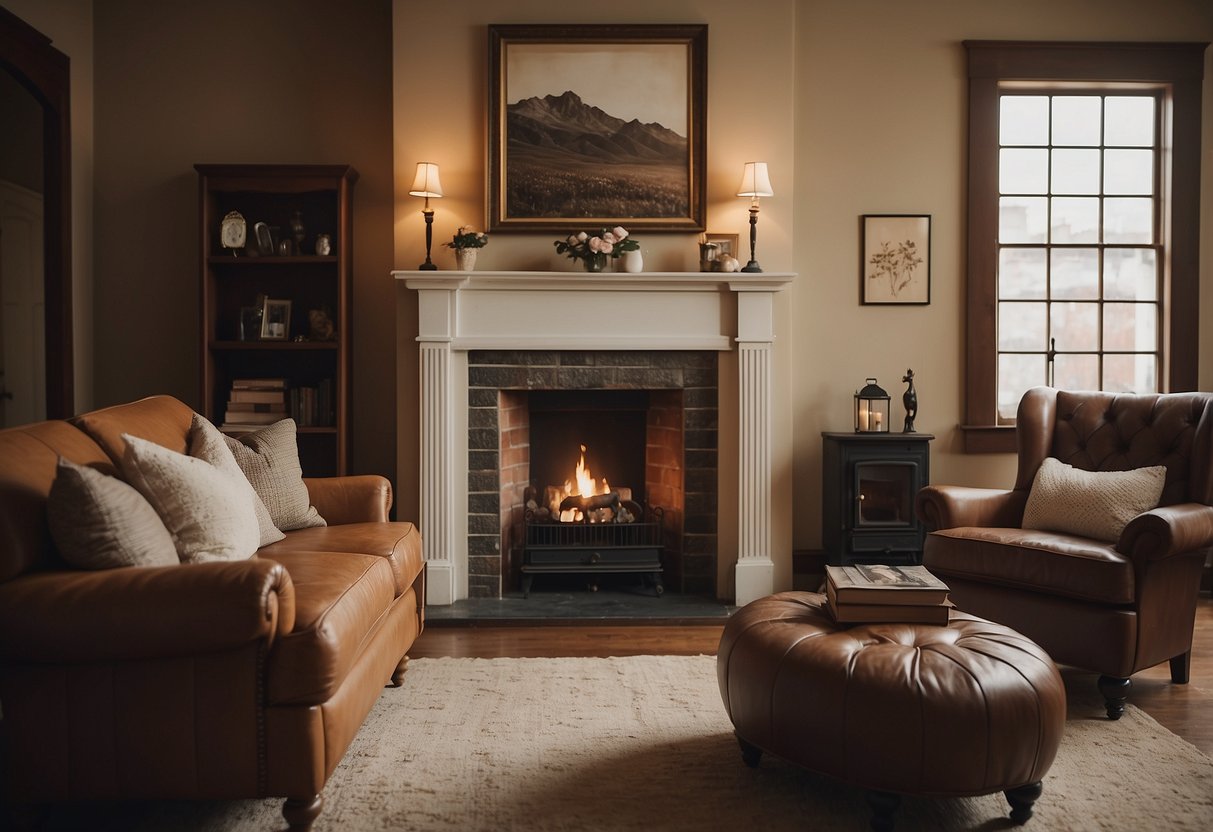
863, 417
876, 420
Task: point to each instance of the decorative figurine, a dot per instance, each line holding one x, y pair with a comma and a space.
324, 245
910, 399
297, 232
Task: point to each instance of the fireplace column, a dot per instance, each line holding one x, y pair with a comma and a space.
436, 305
755, 571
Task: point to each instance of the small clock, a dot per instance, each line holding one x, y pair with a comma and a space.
233, 231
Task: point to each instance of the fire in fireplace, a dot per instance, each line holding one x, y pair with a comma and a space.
648, 424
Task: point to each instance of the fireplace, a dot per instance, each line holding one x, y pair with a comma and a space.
648, 421
590, 332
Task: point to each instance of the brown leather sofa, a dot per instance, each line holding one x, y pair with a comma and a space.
202, 681
1112, 608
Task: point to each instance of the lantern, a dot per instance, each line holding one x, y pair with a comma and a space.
871, 409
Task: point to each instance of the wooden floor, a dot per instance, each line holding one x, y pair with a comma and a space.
1186, 710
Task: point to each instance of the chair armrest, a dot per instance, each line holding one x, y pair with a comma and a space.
1167, 531
144, 612
362, 499
951, 506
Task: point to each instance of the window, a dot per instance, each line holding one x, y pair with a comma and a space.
1083, 223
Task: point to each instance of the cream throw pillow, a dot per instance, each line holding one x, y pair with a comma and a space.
208, 518
1095, 504
100, 522
270, 459
206, 443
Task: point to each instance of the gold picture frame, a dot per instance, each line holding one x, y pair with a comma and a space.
597, 125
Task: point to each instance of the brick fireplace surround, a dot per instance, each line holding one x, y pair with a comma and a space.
524, 326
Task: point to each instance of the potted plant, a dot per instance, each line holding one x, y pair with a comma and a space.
465, 243
594, 249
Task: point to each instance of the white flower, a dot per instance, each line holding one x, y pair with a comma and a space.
582, 237
610, 238
573, 240
596, 244
606, 248
620, 232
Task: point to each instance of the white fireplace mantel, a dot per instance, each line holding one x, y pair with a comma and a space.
461, 311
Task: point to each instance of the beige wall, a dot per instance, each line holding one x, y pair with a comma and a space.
440, 70
858, 107
881, 128
69, 25
289, 81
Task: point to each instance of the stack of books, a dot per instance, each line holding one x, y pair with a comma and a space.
875, 592
254, 403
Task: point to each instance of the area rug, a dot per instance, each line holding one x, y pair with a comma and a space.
643, 743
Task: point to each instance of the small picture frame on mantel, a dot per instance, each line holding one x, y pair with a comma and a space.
896, 264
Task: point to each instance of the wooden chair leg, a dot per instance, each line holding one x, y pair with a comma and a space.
1181, 667
398, 673
301, 812
1115, 690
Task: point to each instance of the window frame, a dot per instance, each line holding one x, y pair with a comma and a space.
1176, 70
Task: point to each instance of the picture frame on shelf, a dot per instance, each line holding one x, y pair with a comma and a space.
635, 94
895, 268
275, 320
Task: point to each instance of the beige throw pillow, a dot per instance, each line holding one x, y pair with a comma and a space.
1095, 504
206, 443
100, 522
208, 518
270, 459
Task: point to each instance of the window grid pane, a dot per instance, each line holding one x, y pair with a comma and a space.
1090, 236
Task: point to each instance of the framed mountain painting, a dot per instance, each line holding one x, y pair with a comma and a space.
597, 125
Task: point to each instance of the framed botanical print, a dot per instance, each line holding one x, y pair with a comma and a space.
896, 265
597, 125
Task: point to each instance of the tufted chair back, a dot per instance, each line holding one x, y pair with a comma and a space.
1117, 432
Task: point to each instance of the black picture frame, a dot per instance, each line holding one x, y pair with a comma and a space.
895, 261
559, 159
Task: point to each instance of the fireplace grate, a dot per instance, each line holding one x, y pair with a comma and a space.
593, 548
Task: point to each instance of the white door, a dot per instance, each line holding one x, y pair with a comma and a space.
22, 315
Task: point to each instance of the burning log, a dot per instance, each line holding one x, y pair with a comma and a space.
587, 504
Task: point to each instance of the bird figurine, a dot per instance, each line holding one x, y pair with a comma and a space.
910, 399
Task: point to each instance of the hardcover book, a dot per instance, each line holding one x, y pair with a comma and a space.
882, 584
891, 613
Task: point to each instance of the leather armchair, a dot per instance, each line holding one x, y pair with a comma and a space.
1112, 608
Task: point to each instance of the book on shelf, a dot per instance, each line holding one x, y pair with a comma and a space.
250, 418
881, 584
891, 613
257, 396
257, 407
258, 384
312, 406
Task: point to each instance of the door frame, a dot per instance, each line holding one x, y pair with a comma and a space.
45, 72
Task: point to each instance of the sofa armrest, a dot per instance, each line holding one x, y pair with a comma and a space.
1167, 531
951, 506
144, 612
361, 499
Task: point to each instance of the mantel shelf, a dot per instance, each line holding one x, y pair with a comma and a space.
567, 281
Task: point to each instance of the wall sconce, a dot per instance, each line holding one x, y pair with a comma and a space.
427, 184
755, 182
871, 409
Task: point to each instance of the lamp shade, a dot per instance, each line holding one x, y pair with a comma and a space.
426, 183
755, 181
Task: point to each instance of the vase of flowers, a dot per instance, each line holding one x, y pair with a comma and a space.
596, 248
465, 243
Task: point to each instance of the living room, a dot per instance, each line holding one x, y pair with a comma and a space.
857, 108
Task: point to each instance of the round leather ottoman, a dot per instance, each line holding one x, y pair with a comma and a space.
967, 709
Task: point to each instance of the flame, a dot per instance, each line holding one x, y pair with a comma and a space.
585, 486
